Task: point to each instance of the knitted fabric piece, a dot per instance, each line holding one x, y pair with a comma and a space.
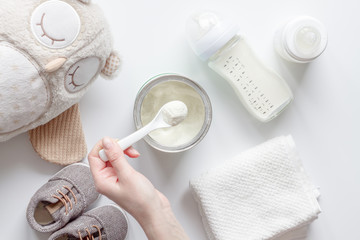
109, 219
62, 140
78, 178
261, 194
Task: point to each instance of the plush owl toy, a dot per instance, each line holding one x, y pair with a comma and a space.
50, 53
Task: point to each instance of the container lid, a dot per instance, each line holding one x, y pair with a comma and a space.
207, 32
305, 38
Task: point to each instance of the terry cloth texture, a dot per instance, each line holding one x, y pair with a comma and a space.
62, 140
47, 96
109, 219
263, 193
76, 177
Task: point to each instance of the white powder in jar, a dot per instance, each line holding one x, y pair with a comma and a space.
166, 92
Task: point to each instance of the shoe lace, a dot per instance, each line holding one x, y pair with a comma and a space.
65, 199
90, 236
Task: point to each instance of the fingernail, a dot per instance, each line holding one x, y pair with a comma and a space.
134, 151
107, 143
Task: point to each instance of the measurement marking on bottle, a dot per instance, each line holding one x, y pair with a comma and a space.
235, 70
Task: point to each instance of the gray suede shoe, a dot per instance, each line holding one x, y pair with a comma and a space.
64, 197
107, 223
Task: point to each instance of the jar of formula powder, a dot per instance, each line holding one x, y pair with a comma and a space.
170, 87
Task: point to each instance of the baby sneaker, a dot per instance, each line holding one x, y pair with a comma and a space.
107, 222
64, 197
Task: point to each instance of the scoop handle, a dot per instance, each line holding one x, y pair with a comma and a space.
126, 142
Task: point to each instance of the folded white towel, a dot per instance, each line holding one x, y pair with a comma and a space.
263, 193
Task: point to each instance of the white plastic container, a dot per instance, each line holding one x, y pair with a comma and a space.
216, 40
301, 40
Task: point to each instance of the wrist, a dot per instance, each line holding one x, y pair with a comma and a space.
160, 225
153, 213
159, 222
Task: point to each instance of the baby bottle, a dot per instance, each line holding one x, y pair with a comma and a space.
301, 40
216, 40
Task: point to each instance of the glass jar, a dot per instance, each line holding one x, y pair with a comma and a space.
174, 87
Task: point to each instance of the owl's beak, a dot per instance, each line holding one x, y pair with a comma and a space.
55, 65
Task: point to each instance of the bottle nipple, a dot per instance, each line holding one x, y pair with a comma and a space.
307, 40
207, 21
207, 32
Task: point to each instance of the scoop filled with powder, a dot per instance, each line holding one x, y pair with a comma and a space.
175, 91
174, 112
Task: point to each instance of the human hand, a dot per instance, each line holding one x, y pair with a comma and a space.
132, 191
118, 180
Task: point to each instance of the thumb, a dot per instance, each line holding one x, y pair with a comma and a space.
115, 156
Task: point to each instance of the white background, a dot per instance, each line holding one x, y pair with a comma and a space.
323, 119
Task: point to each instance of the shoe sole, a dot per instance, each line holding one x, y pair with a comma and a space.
126, 218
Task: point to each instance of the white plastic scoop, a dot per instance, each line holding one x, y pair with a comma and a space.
171, 114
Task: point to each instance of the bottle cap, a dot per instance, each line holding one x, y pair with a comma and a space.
207, 32
305, 38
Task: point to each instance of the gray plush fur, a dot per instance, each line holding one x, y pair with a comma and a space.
94, 40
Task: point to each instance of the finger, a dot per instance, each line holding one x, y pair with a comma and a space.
115, 156
132, 152
95, 151
96, 164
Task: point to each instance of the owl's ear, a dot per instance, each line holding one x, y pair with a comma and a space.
112, 66
85, 1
